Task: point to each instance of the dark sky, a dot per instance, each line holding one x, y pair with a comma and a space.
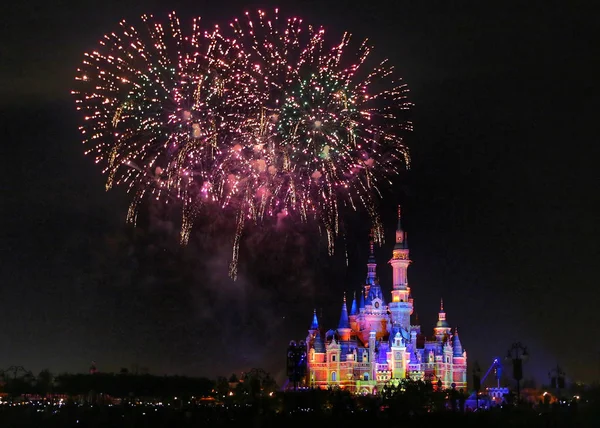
498, 204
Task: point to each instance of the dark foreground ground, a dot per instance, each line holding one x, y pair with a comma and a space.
142, 416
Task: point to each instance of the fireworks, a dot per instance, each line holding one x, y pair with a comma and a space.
265, 118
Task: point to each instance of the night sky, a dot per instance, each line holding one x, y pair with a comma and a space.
498, 204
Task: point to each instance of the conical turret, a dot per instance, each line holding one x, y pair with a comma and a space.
315, 322
344, 322
318, 343
353, 309
457, 349
361, 305
344, 325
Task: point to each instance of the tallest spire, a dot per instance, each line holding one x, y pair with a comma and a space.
371, 262
372, 247
400, 234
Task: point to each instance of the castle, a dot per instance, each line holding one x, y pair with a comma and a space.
377, 342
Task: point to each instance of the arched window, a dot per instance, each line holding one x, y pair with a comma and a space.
365, 357
366, 376
333, 358
333, 376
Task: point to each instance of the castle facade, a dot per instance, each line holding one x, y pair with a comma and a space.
377, 342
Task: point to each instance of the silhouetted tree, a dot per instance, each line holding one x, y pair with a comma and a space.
222, 386
44, 382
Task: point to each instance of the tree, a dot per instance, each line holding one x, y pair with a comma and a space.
222, 386
44, 382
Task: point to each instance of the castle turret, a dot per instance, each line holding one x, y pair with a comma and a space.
344, 325
353, 309
318, 343
353, 314
401, 306
457, 349
314, 325
442, 328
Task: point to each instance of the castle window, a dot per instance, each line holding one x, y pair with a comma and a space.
333, 358
366, 376
333, 376
365, 357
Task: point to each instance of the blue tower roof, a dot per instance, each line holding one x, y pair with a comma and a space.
315, 322
353, 310
457, 349
375, 293
362, 299
344, 322
318, 344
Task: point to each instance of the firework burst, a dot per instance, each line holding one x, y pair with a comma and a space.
265, 119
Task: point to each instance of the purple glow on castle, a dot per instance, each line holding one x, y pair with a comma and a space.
380, 343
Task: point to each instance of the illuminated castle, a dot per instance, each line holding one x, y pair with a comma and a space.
378, 342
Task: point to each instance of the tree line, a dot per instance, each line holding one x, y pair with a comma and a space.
17, 381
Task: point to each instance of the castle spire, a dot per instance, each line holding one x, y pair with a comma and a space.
457, 349
344, 322
371, 262
361, 305
315, 322
400, 234
353, 309
402, 304
372, 247
442, 323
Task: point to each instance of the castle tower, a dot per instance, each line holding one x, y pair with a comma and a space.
344, 325
457, 348
314, 325
313, 333
401, 306
397, 357
371, 263
459, 358
361, 305
376, 343
371, 270
442, 328
353, 309
353, 314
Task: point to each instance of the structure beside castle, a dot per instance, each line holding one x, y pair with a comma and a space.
377, 342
